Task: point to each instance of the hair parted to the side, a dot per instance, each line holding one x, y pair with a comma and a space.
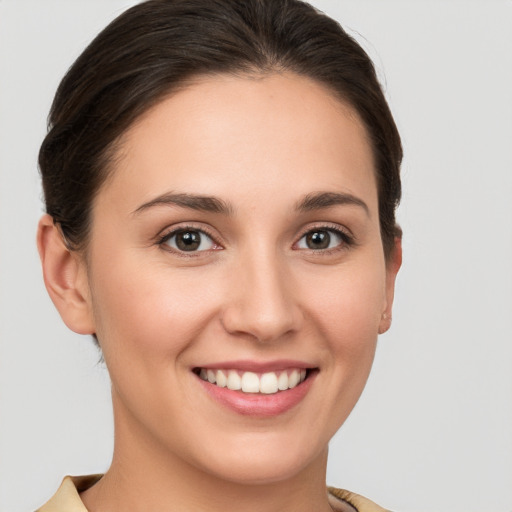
155, 47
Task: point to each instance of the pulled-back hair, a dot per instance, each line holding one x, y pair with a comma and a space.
155, 47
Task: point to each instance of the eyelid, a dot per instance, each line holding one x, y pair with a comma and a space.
347, 236
167, 233
325, 226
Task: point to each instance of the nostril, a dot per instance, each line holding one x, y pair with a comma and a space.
262, 327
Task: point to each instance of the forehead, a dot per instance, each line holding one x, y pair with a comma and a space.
227, 135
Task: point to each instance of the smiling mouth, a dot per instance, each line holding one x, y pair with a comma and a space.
250, 382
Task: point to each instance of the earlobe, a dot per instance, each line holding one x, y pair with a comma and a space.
65, 278
392, 267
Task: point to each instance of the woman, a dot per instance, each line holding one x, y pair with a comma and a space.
220, 181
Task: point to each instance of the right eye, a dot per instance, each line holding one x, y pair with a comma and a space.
189, 240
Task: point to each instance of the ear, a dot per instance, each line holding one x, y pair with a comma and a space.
65, 277
392, 267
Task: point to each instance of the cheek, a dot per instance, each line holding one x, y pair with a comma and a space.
146, 317
348, 312
349, 306
146, 308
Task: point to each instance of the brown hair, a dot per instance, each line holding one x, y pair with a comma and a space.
155, 47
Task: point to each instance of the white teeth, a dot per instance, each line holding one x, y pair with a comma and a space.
250, 382
211, 376
282, 382
234, 381
268, 383
293, 379
221, 379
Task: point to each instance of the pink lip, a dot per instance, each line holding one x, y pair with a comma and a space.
256, 404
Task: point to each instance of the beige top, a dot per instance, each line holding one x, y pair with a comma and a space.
67, 498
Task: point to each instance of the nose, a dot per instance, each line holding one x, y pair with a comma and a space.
262, 300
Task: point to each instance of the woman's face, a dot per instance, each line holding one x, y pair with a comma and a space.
238, 240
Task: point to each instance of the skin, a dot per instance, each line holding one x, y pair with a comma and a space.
260, 145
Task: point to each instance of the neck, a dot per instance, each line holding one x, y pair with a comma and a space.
145, 476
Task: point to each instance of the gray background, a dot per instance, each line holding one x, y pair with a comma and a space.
433, 430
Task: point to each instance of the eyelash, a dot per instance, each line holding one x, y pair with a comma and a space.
165, 237
347, 240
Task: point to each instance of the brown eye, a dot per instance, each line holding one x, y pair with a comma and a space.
318, 240
322, 239
189, 240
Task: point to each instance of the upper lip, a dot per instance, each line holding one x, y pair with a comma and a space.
257, 366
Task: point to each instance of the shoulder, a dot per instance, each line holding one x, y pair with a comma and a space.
359, 503
67, 498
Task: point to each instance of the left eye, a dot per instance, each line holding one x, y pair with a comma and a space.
321, 239
190, 240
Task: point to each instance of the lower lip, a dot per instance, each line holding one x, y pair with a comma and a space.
259, 404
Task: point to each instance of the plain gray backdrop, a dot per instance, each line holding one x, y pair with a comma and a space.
433, 430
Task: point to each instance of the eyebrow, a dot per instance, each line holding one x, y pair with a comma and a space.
314, 201
320, 200
194, 202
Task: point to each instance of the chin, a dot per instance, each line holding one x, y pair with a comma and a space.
259, 462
